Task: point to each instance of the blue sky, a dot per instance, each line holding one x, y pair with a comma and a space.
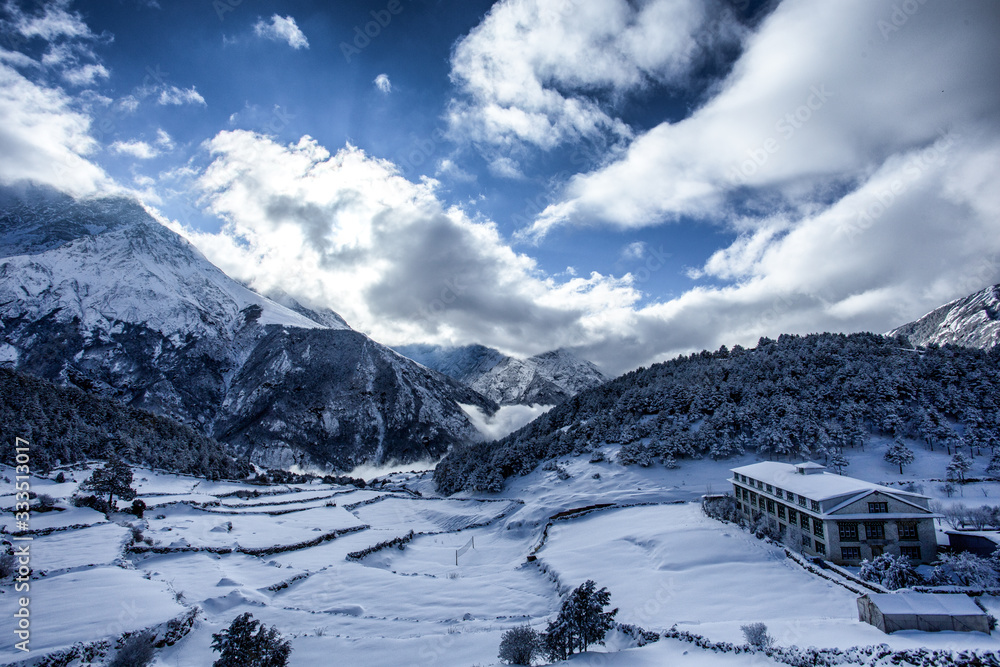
630, 180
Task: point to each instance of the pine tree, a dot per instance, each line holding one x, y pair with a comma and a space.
960, 464
112, 479
249, 643
582, 621
899, 454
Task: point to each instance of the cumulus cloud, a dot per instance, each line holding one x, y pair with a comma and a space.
54, 22
44, 138
535, 71
382, 83
386, 253
282, 29
822, 96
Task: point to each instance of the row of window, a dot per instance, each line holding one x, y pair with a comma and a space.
781, 511
854, 553
778, 492
875, 530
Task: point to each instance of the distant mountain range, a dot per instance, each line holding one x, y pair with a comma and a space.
972, 321
99, 295
545, 379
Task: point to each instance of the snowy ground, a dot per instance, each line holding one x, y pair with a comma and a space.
662, 560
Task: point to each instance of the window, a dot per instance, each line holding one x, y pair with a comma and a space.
820, 548
778, 492
781, 511
760, 485
815, 505
793, 516
804, 522
770, 507
908, 531
875, 530
739, 506
878, 508
753, 499
769, 488
910, 552
817, 528
807, 542
802, 501
850, 553
848, 531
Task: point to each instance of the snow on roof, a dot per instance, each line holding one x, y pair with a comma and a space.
818, 486
951, 604
991, 535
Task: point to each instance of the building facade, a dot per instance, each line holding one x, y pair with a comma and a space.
837, 518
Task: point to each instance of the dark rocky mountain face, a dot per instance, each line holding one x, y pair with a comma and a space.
545, 379
99, 295
973, 321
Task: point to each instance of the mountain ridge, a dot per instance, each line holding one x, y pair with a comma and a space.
970, 321
130, 310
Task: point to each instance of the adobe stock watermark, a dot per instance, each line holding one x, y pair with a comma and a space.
786, 127
900, 15
884, 198
22, 543
364, 34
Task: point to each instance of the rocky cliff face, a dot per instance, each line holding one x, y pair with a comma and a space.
100, 295
973, 321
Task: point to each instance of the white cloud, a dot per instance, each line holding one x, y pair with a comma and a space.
137, 149
53, 23
43, 138
818, 99
282, 29
382, 83
172, 95
534, 71
85, 75
386, 252
163, 140
504, 421
505, 167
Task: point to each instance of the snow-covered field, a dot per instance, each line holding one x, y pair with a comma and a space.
664, 562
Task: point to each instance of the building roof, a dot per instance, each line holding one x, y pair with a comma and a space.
817, 486
991, 535
926, 604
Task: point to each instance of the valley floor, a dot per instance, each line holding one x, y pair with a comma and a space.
284, 558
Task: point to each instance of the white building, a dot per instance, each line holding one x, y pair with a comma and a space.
837, 518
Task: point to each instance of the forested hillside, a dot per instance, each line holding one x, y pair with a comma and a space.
798, 396
66, 425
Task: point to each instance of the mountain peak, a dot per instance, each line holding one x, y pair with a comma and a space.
971, 321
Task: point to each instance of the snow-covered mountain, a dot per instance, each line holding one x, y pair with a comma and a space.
98, 294
545, 379
973, 321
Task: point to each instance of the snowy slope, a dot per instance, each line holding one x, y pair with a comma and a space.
98, 294
545, 379
973, 321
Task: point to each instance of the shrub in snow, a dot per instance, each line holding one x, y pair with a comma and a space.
138, 507
8, 564
723, 508
137, 651
45, 502
597, 456
61, 478
756, 635
248, 643
582, 621
635, 453
893, 572
967, 569
520, 646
